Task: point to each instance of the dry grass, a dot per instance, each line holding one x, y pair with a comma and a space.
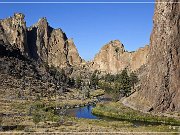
69, 124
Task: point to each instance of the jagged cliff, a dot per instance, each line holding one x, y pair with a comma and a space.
113, 58
45, 44
159, 64
40, 42
73, 56
160, 86
13, 31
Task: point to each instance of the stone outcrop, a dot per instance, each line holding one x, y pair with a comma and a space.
73, 55
52, 45
38, 36
160, 86
113, 58
40, 42
13, 31
48, 44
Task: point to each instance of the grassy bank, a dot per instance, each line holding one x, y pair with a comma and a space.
51, 122
72, 99
75, 125
44, 118
118, 111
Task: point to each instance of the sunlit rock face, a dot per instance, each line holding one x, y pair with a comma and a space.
47, 44
38, 38
113, 58
73, 55
52, 45
160, 87
40, 41
13, 31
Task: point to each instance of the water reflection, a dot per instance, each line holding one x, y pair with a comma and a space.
82, 112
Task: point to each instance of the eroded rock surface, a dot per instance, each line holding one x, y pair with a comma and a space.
73, 55
113, 58
160, 86
13, 31
52, 45
40, 42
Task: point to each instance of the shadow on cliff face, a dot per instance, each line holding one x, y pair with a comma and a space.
31, 40
9, 51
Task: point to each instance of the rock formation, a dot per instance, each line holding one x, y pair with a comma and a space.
40, 42
158, 64
13, 31
52, 45
73, 55
38, 36
113, 58
160, 87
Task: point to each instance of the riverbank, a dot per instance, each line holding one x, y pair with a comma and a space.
74, 99
86, 126
23, 119
117, 110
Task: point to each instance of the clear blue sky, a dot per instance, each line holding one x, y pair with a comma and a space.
92, 25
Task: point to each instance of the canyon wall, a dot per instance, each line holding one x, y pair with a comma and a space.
160, 86
40, 41
113, 58
13, 31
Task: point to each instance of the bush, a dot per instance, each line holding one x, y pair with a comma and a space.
78, 82
36, 118
120, 84
94, 80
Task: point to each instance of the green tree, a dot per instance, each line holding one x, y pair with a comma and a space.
105, 86
116, 91
124, 80
109, 78
133, 79
36, 118
94, 80
119, 85
87, 94
78, 82
71, 82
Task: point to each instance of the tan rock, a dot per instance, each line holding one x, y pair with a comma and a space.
13, 31
113, 58
58, 49
51, 45
38, 40
160, 86
73, 55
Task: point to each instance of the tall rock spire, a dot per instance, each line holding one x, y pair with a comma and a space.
13, 30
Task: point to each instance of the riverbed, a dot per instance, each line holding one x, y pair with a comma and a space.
86, 113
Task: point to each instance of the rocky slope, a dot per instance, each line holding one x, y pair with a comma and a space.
113, 58
160, 86
22, 77
40, 42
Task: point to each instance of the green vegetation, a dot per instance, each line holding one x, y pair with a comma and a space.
120, 85
94, 80
78, 82
47, 119
42, 113
96, 93
118, 111
36, 118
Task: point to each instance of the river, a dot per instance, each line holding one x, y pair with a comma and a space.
86, 112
